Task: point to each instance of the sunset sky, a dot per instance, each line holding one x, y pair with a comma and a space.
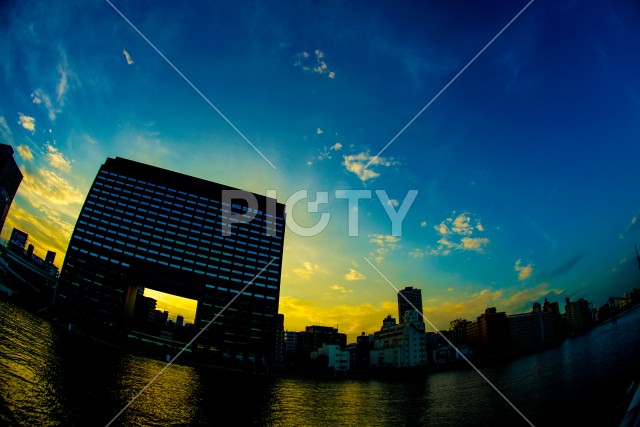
526, 160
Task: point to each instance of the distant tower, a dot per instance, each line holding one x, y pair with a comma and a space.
414, 297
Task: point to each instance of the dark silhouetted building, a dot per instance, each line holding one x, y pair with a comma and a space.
280, 339
18, 239
579, 316
146, 227
10, 179
535, 330
414, 297
489, 335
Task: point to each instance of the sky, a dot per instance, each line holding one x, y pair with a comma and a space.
504, 141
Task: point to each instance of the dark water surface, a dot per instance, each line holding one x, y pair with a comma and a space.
49, 378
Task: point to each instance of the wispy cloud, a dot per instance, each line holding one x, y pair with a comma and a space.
45, 187
423, 224
354, 275
384, 245
57, 159
314, 63
27, 122
63, 82
341, 289
545, 235
25, 152
630, 228
327, 153
39, 97
417, 253
307, 270
620, 264
127, 57
524, 271
5, 131
355, 163
456, 234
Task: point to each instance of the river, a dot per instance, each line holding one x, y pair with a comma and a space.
47, 378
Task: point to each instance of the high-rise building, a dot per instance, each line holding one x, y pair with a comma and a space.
146, 227
406, 298
10, 179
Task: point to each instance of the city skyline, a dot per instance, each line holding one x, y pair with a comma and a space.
524, 166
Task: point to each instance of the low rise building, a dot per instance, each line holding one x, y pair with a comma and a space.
400, 345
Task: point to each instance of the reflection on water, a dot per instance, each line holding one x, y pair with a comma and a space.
47, 377
172, 399
29, 370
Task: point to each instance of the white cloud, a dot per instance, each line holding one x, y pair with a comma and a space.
417, 253
385, 244
45, 187
355, 163
307, 270
27, 122
423, 224
127, 57
354, 275
341, 289
25, 152
455, 234
39, 97
35, 98
473, 243
314, 64
61, 88
630, 227
57, 160
319, 131
335, 147
524, 271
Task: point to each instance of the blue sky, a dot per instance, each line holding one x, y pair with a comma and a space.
526, 166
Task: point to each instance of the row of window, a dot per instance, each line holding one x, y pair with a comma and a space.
203, 239
130, 182
171, 264
143, 240
235, 291
129, 208
137, 202
93, 205
182, 255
